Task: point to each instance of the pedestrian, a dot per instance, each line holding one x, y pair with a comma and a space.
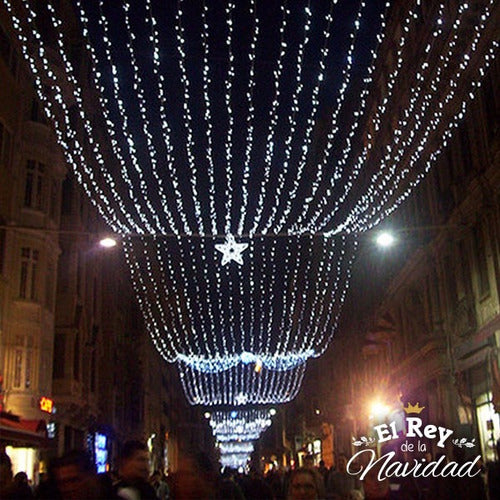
133, 473
339, 483
76, 478
160, 485
6, 484
304, 485
22, 487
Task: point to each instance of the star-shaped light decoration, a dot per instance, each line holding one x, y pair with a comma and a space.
231, 250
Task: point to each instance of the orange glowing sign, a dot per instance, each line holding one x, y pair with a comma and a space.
46, 404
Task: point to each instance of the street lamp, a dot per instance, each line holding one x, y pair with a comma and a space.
379, 410
385, 239
107, 242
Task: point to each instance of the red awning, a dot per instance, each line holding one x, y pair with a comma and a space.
15, 431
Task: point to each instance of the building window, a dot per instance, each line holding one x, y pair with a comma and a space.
49, 288
76, 358
67, 196
59, 356
5, 145
7, 52
28, 275
18, 366
27, 370
54, 201
93, 372
34, 187
465, 149
37, 114
482, 262
451, 283
2, 248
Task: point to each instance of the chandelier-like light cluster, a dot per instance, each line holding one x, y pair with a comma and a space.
200, 314
236, 431
239, 208
241, 385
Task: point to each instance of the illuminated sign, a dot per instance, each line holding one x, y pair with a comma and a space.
46, 404
101, 452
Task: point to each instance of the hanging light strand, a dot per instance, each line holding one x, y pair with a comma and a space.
228, 85
208, 116
438, 112
187, 115
163, 113
65, 134
335, 127
252, 55
132, 151
159, 184
270, 146
311, 123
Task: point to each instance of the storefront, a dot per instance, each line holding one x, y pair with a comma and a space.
23, 440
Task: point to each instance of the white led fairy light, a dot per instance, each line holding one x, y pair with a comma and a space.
311, 122
433, 124
236, 428
165, 126
152, 320
222, 333
110, 124
221, 388
412, 138
447, 134
346, 73
324, 214
251, 113
401, 143
291, 120
230, 118
235, 460
236, 447
188, 118
335, 127
231, 250
273, 115
320, 336
143, 197
65, 134
369, 219
77, 94
386, 164
208, 117
377, 120
143, 106
287, 315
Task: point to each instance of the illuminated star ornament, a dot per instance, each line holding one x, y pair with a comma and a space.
231, 250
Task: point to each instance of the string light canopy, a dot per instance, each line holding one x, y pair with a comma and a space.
238, 461
177, 167
241, 386
275, 151
273, 313
239, 427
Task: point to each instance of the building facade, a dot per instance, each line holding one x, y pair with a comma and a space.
422, 323
77, 367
